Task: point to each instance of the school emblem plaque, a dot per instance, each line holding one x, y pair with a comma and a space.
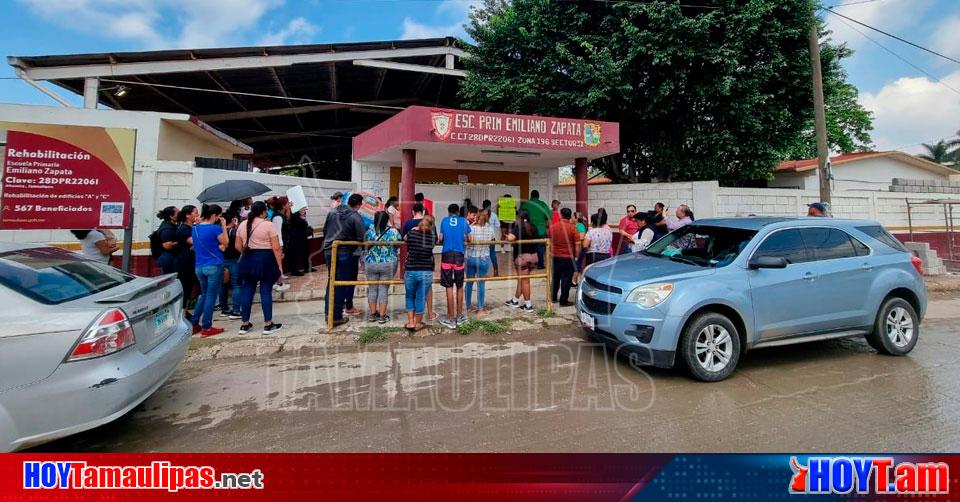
441, 124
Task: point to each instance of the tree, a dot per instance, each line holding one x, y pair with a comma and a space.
709, 89
943, 151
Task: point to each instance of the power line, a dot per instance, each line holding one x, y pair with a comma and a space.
901, 58
851, 3
255, 95
931, 51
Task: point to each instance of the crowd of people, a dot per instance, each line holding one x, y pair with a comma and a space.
229, 255
469, 237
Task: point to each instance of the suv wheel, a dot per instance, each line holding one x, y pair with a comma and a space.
710, 347
896, 329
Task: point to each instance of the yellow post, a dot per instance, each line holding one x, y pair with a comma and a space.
331, 284
548, 261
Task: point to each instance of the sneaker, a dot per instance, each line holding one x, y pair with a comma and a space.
462, 319
526, 308
384, 319
373, 318
197, 329
272, 328
224, 313
280, 288
341, 321
246, 328
566, 304
210, 332
235, 315
449, 323
512, 303
353, 311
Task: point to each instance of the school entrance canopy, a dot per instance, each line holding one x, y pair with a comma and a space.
427, 144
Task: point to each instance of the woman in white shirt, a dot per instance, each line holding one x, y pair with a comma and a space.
598, 240
393, 212
96, 245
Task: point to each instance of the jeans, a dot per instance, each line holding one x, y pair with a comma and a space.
417, 284
266, 299
347, 270
233, 289
541, 249
563, 268
351, 291
493, 259
210, 278
383, 271
477, 267
166, 262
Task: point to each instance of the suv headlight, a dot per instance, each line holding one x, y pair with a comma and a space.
650, 295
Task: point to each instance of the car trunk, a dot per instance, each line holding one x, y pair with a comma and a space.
38, 338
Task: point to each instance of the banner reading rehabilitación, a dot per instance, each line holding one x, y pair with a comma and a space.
71, 177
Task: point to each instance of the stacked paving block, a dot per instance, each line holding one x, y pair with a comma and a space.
925, 186
932, 264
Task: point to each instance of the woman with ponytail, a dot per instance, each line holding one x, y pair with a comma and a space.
166, 236
186, 262
260, 262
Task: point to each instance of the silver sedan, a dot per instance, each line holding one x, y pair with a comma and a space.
81, 343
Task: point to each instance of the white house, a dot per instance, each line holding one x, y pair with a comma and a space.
861, 171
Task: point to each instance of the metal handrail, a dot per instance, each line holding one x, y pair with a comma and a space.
333, 282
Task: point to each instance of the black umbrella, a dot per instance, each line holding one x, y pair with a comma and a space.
232, 190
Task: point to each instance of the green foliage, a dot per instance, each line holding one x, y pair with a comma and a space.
374, 334
709, 89
943, 151
489, 327
545, 314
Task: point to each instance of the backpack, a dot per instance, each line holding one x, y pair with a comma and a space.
156, 247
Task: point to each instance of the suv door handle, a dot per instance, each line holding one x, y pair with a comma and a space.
866, 266
808, 276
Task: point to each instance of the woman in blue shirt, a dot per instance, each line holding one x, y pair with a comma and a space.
209, 241
380, 264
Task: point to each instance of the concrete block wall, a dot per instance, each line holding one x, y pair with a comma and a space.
950, 186
932, 264
375, 179
615, 198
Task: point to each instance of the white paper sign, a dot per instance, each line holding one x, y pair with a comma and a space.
298, 200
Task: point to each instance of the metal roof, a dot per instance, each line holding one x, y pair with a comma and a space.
296, 100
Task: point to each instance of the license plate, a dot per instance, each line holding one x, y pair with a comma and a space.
162, 319
587, 320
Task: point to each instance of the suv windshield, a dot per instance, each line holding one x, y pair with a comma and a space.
52, 275
702, 245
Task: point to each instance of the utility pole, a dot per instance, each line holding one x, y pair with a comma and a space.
820, 119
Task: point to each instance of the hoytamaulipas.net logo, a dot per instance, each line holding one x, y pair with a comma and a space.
159, 475
868, 475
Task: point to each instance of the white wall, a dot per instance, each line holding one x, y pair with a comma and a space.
615, 198
179, 143
708, 199
874, 174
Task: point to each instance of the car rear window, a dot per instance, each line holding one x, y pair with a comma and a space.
52, 276
879, 233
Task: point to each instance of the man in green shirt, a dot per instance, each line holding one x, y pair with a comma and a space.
540, 213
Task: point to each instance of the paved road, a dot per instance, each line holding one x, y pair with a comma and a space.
551, 391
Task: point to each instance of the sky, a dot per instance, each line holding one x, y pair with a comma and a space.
914, 101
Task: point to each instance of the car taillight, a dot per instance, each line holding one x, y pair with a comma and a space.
110, 333
917, 264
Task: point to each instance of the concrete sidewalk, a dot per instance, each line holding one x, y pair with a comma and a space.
304, 324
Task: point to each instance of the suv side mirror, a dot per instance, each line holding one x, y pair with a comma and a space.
767, 262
